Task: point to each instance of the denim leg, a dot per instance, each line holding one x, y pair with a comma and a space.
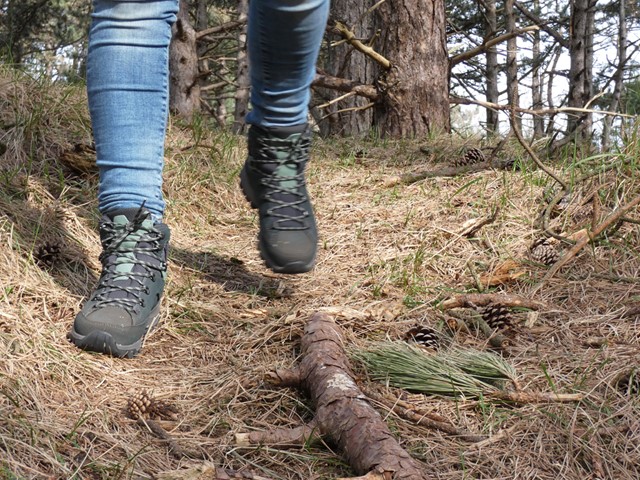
127, 85
284, 38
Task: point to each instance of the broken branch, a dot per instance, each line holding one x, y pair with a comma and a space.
472, 300
343, 414
409, 178
585, 239
350, 37
423, 418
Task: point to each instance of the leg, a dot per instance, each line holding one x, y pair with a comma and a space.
284, 41
127, 83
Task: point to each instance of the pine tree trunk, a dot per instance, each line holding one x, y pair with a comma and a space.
492, 95
581, 52
416, 97
341, 61
618, 76
513, 96
184, 97
536, 87
244, 83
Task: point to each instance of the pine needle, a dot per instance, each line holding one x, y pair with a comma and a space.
458, 372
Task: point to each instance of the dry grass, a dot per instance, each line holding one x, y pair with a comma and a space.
387, 255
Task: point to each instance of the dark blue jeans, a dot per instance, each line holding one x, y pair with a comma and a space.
127, 84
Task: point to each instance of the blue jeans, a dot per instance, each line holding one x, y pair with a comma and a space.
127, 85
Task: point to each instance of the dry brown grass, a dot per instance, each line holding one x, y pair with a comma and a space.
387, 255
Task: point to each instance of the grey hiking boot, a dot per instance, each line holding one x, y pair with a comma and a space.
273, 181
125, 305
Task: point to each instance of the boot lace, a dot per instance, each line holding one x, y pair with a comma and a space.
124, 289
287, 194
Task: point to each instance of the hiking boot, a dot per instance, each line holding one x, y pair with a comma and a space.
272, 179
125, 305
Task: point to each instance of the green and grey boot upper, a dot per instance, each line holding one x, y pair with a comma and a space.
273, 181
125, 305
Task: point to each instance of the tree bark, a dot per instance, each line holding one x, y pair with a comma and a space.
184, 96
581, 58
536, 87
416, 100
492, 96
618, 76
243, 90
343, 415
513, 96
342, 61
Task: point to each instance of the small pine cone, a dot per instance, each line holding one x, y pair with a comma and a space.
470, 157
542, 251
424, 336
47, 254
139, 405
497, 316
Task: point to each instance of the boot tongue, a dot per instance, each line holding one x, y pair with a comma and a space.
122, 244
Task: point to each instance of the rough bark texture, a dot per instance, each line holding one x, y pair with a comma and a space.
618, 76
513, 95
341, 61
493, 94
536, 87
243, 90
343, 414
417, 86
184, 97
581, 52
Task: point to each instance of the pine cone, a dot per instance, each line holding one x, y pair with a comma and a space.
424, 336
497, 316
47, 254
139, 405
542, 251
470, 157
142, 404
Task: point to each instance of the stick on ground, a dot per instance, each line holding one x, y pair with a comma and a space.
343, 414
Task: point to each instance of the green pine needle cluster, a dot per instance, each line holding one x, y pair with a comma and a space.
456, 372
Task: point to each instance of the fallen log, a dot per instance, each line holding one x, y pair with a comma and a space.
344, 416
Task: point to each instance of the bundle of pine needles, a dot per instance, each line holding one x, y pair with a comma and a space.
456, 372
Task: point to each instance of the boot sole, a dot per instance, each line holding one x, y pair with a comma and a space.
290, 268
100, 341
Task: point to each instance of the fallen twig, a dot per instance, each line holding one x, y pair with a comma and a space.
472, 300
154, 427
468, 230
281, 437
476, 322
421, 417
584, 240
409, 178
207, 471
536, 397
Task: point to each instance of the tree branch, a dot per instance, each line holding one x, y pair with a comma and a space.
461, 57
344, 85
350, 37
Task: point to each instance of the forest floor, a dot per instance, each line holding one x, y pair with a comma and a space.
388, 255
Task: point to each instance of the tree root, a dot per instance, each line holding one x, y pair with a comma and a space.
343, 415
